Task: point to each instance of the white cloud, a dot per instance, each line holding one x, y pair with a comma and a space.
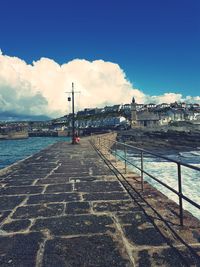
40, 88
167, 98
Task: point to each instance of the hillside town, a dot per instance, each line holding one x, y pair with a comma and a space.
117, 117
133, 114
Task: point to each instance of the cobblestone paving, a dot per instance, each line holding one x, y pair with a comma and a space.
64, 207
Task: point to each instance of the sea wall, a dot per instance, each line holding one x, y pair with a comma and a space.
14, 135
106, 140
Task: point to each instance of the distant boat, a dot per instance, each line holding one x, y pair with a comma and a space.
13, 132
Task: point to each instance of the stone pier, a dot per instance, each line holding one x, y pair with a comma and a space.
65, 207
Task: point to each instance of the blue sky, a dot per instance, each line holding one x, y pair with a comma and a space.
156, 43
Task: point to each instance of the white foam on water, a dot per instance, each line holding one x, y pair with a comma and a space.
186, 154
195, 153
167, 173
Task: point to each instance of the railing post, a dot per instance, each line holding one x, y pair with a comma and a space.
142, 174
125, 152
180, 194
109, 148
115, 151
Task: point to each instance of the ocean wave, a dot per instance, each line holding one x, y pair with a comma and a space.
195, 153
167, 172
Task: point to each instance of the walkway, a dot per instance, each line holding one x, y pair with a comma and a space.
64, 207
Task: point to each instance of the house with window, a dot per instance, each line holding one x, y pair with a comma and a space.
147, 119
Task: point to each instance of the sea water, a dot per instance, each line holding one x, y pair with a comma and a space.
167, 172
14, 150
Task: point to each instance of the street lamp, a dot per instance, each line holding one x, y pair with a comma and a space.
73, 119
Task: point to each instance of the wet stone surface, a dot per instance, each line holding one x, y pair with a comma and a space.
98, 251
64, 207
168, 257
10, 202
79, 179
113, 206
20, 249
99, 186
42, 210
16, 226
105, 196
3, 215
21, 190
146, 236
19, 182
77, 208
136, 218
75, 225
53, 180
46, 198
58, 188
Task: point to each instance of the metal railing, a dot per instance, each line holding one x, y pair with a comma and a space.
111, 146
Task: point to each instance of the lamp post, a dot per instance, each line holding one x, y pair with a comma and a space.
73, 117
73, 121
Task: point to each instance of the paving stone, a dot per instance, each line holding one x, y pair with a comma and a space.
15, 226
21, 190
147, 236
68, 169
31, 175
100, 186
59, 188
105, 196
102, 172
19, 250
92, 251
168, 257
10, 202
72, 172
75, 225
4, 176
43, 166
113, 206
53, 180
79, 179
19, 182
54, 176
21, 178
34, 211
46, 198
196, 235
143, 259
78, 174
77, 208
136, 218
4, 214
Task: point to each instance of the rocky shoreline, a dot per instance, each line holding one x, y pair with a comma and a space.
162, 140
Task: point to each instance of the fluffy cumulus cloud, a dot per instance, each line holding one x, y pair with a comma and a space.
167, 98
40, 88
